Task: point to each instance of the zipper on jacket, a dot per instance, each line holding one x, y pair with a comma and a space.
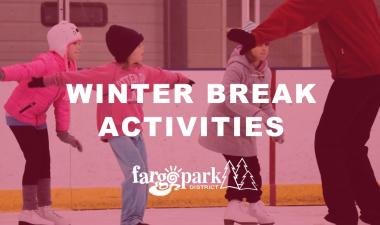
27, 107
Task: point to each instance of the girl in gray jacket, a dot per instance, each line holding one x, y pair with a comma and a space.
245, 66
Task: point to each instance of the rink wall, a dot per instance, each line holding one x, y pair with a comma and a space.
91, 180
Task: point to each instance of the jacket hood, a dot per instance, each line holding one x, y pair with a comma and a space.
241, 59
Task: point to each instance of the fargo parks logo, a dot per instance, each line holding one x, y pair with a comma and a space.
174, 179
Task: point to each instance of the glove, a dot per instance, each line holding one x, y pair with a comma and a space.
191, 82
242, 37
1, 75
69, 139
263, 115
280, 139
37, 82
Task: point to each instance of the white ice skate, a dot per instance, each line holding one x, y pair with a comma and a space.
258, 211
327, 223
30, 217
48, 213
237, 212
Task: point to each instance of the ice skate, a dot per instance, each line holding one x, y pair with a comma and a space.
30, 217
237, 213
327, 223
48, 213
258, 211
362, 223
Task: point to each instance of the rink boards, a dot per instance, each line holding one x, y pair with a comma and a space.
91, 179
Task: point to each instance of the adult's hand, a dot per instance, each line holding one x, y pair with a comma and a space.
242, 37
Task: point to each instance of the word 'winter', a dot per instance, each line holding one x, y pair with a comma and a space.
216, 93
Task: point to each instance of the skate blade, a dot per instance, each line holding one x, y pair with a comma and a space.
26, 223
266, 223
231, 222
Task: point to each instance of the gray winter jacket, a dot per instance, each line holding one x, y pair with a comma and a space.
238, 71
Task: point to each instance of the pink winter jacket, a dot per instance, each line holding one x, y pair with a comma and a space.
113, 73
29, 105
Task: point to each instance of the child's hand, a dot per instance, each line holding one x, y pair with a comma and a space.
280, 139
37, 82
69, 139
191, 82
264, 117
1, 75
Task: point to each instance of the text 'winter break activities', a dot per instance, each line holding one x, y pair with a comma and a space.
216, 94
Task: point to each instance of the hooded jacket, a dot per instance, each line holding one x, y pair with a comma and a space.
239, 71
29, 105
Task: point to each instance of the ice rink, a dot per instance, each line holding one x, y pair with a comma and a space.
312, 54
96, 168
286, 215
185, 216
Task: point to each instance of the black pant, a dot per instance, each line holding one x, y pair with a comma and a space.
34, 144
340, 145
248, 178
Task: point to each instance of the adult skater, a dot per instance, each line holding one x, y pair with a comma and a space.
26, 117
350, 33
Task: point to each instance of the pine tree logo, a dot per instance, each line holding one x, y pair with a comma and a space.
245, 182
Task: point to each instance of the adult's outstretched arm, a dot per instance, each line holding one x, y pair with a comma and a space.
292, 16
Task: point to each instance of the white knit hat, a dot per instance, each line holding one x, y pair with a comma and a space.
250, 26
61, 35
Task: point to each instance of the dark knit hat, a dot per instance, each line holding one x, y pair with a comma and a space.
122, 41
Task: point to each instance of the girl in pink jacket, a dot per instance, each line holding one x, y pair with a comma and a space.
26, 116
127, 48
